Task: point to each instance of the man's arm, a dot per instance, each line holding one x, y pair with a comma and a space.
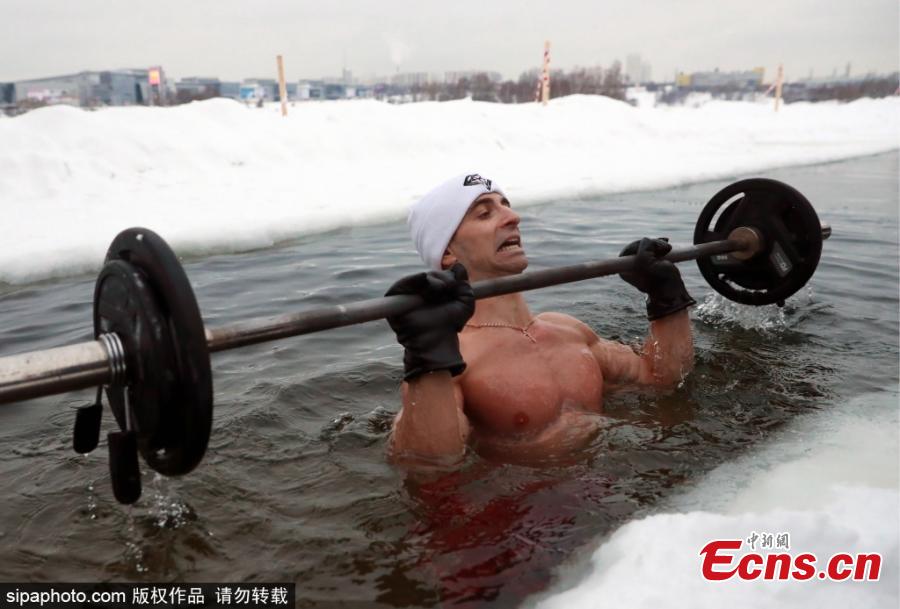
668, 352
431, 423
665, 359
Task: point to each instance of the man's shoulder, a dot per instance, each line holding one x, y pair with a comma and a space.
559, 318
568, 321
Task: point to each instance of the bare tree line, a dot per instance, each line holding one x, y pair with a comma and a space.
587, 81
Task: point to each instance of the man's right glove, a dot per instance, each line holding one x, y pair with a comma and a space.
657, 278
430, 333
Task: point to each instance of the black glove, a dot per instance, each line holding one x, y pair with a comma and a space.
430, 333
659, 279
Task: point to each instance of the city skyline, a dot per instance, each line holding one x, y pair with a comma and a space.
235, 39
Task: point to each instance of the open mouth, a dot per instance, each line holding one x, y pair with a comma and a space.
513, 243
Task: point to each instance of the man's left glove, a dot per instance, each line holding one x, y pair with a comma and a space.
430, 333
657, 278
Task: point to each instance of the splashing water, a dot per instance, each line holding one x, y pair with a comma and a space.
91, 501
134, 554
167, 509
718, 311
91, 495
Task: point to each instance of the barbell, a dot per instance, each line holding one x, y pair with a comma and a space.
757, 242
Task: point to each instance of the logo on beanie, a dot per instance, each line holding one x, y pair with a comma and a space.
472, 180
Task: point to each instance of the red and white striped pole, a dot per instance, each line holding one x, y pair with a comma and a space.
545, 75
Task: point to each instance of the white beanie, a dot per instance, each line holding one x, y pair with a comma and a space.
433, 219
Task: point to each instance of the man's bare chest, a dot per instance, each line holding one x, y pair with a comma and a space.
515, 385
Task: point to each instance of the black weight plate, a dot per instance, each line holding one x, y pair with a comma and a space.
170, 380
792, 239
125, 304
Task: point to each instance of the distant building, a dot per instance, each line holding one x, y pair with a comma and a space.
682, 80
842, 88
330, 89
231, 90
747, 80
197, 87
637, 71
310, 90
269, 85
76, 89
114, 88
252, 92
7, 93
104, 88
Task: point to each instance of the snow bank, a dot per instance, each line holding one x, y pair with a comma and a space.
218, 176
830, 481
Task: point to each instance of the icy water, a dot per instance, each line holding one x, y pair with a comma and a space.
296, 486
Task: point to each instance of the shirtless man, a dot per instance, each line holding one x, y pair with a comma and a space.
492, 374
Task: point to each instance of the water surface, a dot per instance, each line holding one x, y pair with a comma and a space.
296, 486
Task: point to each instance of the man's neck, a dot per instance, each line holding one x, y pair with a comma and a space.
508, 309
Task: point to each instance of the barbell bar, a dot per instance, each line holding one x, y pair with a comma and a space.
92, 363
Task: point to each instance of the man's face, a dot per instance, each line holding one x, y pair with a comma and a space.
487, 241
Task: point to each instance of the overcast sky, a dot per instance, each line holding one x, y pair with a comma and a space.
234, 39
